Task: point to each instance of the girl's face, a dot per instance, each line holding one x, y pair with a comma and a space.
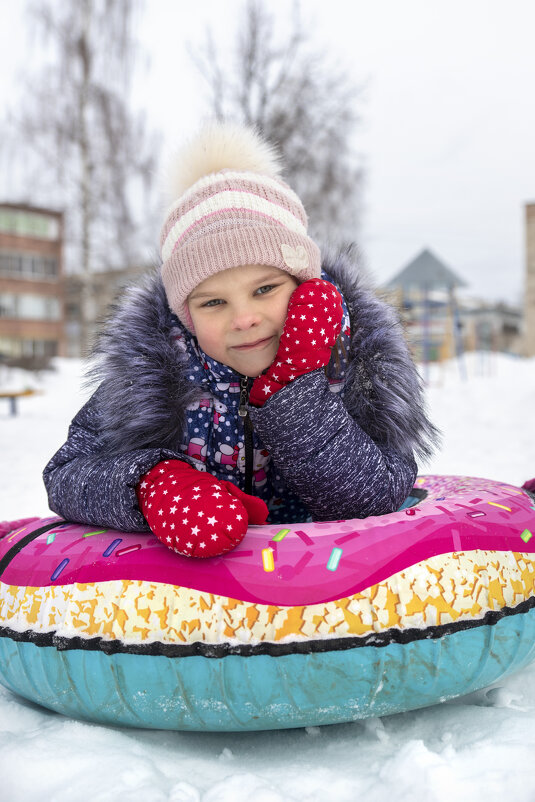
239, 315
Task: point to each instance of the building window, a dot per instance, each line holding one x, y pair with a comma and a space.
27, 266
29, 307
51, 267
72, 311
8, 305
14, 348
29, 224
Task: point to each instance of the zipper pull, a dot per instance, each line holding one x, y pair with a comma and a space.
244, 397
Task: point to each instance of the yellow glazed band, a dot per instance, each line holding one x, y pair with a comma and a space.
449, 588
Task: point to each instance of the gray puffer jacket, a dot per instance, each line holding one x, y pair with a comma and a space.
329, 455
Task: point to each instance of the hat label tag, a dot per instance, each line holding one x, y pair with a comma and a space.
296, 258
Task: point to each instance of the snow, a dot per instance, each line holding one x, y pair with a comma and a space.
478, 746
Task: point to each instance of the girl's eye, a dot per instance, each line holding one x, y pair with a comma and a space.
260, 291
265, 288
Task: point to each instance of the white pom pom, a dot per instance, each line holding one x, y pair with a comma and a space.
221, 146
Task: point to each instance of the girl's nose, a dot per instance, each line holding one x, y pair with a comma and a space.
244, 318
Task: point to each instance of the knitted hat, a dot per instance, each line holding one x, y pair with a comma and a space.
232, 209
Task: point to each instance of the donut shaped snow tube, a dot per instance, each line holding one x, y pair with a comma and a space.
310, 624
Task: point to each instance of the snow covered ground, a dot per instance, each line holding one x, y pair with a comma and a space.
479, 746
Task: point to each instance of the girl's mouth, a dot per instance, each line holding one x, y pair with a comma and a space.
251, 346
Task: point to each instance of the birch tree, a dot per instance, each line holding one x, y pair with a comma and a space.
87, 150
290, 91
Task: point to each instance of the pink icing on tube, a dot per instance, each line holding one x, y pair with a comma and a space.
312, 563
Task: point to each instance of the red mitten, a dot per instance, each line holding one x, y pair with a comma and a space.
312, 325
257, 511
194, 513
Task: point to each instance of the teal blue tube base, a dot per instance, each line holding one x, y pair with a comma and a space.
261, 692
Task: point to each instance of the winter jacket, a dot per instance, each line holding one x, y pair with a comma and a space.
331, 445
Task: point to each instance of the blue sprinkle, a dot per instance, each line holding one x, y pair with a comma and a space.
334, 559
111, 548
59, 569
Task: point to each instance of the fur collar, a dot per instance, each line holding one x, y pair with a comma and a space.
144, 388
384, 391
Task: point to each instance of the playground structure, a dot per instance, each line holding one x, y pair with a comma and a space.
439, 326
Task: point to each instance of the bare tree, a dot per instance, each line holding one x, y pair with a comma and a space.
292, 94
88, 151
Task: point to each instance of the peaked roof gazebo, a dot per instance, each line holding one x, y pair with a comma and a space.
427, 272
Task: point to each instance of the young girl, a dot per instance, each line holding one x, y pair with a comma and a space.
246, 380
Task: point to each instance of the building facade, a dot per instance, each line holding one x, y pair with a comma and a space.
88, 304
32, 317
529, 295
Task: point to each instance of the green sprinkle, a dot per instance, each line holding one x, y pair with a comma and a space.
334, 559
100, 532
280, 535
51, 538
526, 535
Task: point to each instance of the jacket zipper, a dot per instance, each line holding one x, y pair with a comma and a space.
243, 412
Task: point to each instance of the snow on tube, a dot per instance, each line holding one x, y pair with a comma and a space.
310, 624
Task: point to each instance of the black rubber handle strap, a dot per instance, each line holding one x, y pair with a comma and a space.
419, 492
20, 544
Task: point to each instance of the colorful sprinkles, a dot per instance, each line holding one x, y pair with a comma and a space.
267, 559
334, 559
111, 548
128, 549
280, 535
61, 567
304, 537
10, 538
526, 535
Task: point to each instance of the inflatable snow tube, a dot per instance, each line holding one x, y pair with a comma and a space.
310, 624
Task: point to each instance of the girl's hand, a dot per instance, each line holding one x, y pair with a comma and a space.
312, 326
194, 513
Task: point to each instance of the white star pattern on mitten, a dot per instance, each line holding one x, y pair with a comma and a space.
199, 531
307, 344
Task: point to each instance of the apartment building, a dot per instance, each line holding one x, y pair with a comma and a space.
32, 319
87, 308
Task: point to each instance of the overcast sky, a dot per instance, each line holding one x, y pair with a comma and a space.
448, 128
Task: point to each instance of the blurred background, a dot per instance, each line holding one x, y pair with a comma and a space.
406, 128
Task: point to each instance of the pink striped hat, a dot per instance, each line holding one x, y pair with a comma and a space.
232, 217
